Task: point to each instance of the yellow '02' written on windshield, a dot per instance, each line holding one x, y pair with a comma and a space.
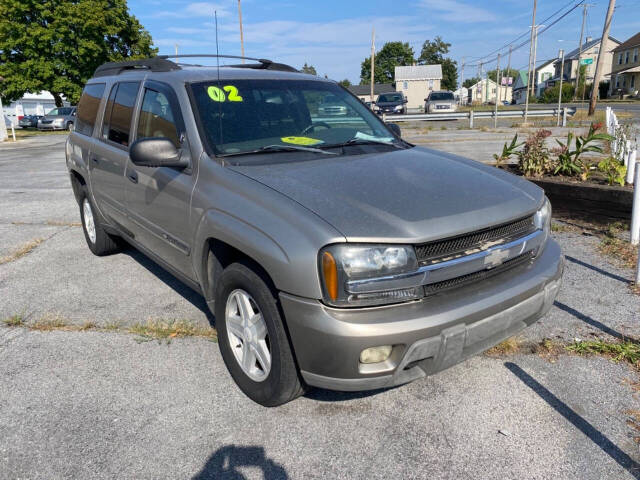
217, 94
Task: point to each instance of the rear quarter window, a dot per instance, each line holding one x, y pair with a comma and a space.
88, 108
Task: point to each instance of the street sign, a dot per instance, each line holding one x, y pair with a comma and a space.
586, 61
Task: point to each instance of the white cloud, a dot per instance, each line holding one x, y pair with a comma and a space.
203, 10
455, 11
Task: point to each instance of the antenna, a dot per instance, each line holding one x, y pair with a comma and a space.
220, 91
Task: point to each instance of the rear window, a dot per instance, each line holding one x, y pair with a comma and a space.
88, 108
117, 126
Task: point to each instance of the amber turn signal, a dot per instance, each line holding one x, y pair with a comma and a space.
330, 274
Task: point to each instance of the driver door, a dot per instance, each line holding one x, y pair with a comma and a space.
158, 198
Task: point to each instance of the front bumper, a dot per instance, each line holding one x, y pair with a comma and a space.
50, 126
427, 336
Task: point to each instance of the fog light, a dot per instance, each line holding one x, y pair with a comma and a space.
375, 354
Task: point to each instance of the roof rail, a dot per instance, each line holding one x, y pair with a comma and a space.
155, 64
161, 63
263, 63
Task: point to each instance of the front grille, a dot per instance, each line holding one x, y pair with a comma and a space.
461, 245
438, 287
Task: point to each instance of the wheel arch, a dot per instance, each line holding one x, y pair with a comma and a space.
78, 182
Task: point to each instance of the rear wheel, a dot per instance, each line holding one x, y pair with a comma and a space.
252, 338
99, 241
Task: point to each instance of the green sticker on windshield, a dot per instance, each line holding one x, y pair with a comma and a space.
301, 140
217, 94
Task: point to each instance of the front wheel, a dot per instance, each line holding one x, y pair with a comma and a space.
252, 338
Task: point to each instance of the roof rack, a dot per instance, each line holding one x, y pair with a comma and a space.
161, 63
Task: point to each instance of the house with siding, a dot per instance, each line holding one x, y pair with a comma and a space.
416, 82
625, 72
590, 50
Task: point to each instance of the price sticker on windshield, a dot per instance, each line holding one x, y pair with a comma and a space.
218, 94
307, 141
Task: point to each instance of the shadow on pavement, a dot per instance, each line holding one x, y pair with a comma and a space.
586, 319
223, 464
580, 423
596, 269
193, 297
322, 395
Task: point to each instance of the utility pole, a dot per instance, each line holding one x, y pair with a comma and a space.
495, 116
533, 23
506, 89
461, 81
601, 52
584, 19
241, 36
561, 55
373, 60
535, 60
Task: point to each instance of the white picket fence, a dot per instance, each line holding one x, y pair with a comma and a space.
625, 150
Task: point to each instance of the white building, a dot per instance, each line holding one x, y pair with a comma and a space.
416, 82
485, 91
30, 104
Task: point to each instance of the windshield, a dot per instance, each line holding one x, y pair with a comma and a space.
441, 96
390, 97
242, 116
60, 111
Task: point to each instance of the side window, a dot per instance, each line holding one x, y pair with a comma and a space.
156, 117
117, 125
88, 108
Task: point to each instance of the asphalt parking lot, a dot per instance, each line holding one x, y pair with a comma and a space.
94, 404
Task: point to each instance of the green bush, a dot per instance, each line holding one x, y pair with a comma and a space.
550, 95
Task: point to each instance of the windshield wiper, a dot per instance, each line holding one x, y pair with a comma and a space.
364, 141
279, 148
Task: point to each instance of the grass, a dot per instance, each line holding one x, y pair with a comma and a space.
24, 133
510, 346
562, 228
613, 246
153, 329
21, 251
16, 320
168, 329
513, 345
627, 350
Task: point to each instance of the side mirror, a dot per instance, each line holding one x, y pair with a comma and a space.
405, 100
156, 152
395, 128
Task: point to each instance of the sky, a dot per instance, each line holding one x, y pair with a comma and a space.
335, 35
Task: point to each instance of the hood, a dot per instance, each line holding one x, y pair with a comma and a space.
411, 196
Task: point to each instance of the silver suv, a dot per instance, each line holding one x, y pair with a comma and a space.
332, 252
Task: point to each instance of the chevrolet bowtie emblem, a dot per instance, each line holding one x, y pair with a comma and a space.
496, 258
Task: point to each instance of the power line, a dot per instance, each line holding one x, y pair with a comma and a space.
522, 44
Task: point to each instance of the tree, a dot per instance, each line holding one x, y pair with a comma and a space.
469, 82
550, 95
345, 83
310, 69
56, 45
391, 55
432, 53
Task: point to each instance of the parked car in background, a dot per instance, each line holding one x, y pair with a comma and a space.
332, 106
440, 102
29, 121
61, 118
332, 254
391, 103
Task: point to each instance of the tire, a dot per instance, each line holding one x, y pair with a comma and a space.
100, 242
278, 384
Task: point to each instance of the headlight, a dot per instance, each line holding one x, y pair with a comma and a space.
542, 218
345, 267
59, 121
397, 108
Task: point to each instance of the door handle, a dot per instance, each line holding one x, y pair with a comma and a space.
94, 158
133, 176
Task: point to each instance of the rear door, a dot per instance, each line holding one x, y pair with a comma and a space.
110, 154
158, 198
